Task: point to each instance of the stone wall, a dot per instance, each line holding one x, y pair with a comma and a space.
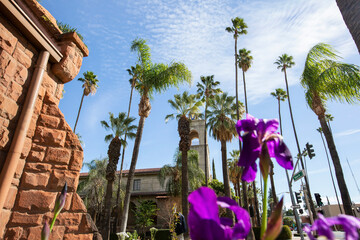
52, 153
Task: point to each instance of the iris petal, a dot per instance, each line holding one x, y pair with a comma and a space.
278, 150
248, 156
204, 204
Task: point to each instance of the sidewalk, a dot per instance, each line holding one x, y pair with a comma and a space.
338, 236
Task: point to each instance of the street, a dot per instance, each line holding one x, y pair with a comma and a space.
338, 235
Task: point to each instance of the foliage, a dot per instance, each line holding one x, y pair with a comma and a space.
288, 221
173, 221
218, 187
153, 232
244, 59
289, 212
133, 236
145, 213
238, 27
163, 234
185, 105
170, 175
66, 28
285, 234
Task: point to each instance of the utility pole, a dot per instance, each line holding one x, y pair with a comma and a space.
307, 202
297, 218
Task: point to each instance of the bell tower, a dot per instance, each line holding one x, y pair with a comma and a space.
197, 131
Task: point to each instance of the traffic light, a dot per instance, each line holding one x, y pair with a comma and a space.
318, 200
298, 197
310, 150
301, 211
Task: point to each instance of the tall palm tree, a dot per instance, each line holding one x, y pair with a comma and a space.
170, 176
153, 78
330, 170
324, 79
284, 62
207, 89
90, 86
280, 95
350, 11
93, 187
119, 126
133, 72
222, 128
235, 172
185, 106
244, 60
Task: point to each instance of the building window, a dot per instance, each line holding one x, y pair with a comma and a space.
136, 186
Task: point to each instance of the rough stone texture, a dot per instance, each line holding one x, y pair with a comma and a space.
52, 153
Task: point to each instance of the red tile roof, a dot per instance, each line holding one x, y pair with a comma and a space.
125, 172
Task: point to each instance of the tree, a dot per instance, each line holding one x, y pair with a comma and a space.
133, 72
93, 187
244, 60
222, 128
144, 214
213, 169
284, 62
170, 176
206, 90
235, 172
153, 78
119, 126
350, 11
324, 79
90, 86
185, 106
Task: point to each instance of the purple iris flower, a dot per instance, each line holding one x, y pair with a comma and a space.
323, 225
204, 221
260, 140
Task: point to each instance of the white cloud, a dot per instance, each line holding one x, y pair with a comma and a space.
347, 132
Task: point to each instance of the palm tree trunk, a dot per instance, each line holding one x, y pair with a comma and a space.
205, 149
312, 207
77, 118
117, 218
273, 192
184, 147
246, 106
107, 211
331, 174
280, 117
239, 189
337, 166
350, 10
225, 169
131, 174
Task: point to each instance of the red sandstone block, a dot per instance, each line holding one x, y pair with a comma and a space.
31, 52
32, 126
49, 137
26, 148
59, 91
57, 155
59, 177
37, 147
8, 107
24, 219
13, 233
7, 40
52, 110
19, 168
11, 65
22, 58
10, 198
14, 91
36, 200
4, 136
49, 84
68, 201
48, 121
68, 219
34, 232
37, 167
50, 99
15, 182
86, 224
21, 74
77, 204
78, 236
36, 156
76, 160
31, 180
57, 232
72, 141
38, 105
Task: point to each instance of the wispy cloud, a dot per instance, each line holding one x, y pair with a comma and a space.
347, 132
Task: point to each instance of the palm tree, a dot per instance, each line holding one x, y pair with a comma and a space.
93, 187
245, 60
206, 90
90, 86
119, 126
213, 169
350, 10
170, 176
330, 170
235, 172
185, 106
153, 78
222, 128
325, 78
284, 62
280, 95
133, 72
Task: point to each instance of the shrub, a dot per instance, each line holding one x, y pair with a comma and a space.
285, 233
288, 222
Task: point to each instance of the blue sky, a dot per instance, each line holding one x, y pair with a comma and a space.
192, 31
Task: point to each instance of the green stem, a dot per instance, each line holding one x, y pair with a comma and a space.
264, 215
53, 221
